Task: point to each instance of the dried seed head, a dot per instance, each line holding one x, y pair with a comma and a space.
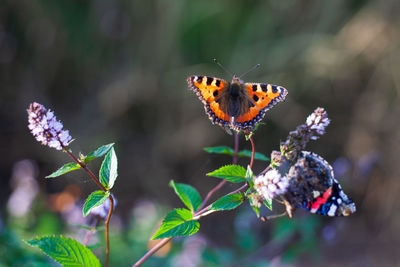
313, 128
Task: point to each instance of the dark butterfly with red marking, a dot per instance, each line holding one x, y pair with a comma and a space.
237, 105
312, 186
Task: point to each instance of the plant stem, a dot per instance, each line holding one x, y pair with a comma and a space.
253, 151
97, 182
212, 191
106, 228
220, 184
266, 169
90, 232
84, 166
235, 156
152, 251
164, 241
201, 210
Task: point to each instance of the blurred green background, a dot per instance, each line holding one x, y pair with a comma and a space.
115, 71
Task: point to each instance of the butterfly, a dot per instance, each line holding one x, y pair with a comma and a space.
236, 105
312, 186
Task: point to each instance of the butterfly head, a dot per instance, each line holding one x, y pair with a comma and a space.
236, 80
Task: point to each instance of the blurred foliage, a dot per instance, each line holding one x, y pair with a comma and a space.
115, 71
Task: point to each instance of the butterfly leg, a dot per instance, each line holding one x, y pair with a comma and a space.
289, 208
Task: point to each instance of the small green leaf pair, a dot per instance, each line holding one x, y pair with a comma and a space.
108, 175
178, 222
181, 222
238, 174
101, 151
226, 150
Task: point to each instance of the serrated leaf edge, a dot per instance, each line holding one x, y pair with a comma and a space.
101, 201
57, 236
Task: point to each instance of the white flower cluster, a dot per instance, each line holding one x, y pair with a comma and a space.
45, 127
317, 122
271, 184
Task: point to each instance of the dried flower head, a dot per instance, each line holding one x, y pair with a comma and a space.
45, 127
313, 128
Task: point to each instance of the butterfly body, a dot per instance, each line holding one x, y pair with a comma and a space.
235, 104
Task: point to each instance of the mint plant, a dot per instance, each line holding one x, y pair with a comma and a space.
49, 131
294, 177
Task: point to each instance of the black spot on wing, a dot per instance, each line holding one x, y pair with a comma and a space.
215, 93
264, 87
274, 89
217, 83
255, 97
209, 80
254, 87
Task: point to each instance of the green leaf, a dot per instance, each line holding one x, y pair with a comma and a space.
248, 136
188, 194
108, 170
66, 251
249, 176
255, 208
95, 199
64, 169
231, 173
257, 155
225, 150
268, 203
178, 222
228, 202
101, 151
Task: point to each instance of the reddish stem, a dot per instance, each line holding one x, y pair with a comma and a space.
90, 232
235, 156
253, 151
106, 228
220, 184
84, 166
201, 209
164, 241
152, 251
94, 178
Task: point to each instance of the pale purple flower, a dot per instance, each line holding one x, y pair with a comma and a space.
271, 184
45, 127
317, 122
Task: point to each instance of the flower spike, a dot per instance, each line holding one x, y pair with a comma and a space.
45, 127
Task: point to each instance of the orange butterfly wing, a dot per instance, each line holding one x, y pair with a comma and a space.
208, 89
264, 97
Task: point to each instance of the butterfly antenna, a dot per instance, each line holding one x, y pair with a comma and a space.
251, 69
222, 67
